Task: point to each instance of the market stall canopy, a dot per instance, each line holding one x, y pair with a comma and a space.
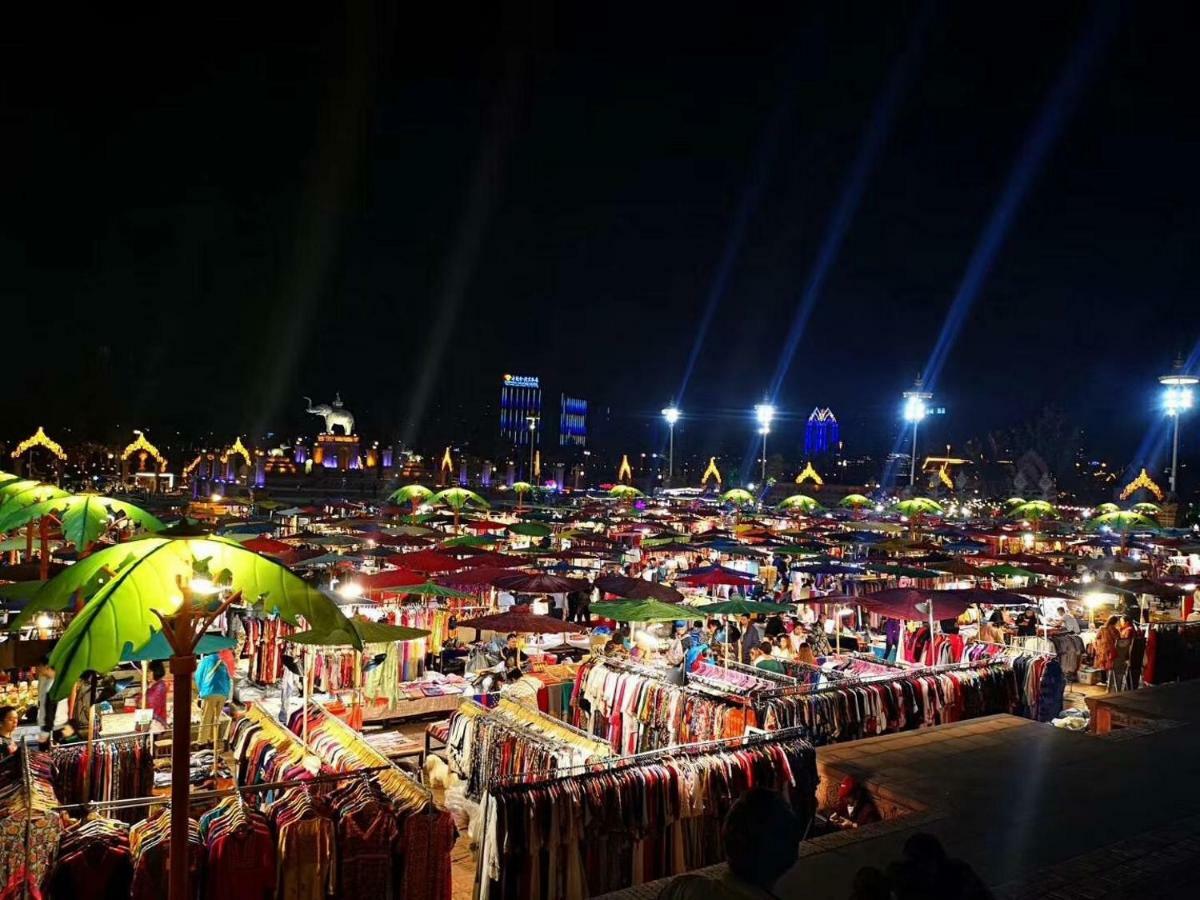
531, 529
1006, 570
524, 583
742, 607
902, 603
428, 561
638, 611
391, 578
715, 576
357, 632
522, 620
267, 546
637, 589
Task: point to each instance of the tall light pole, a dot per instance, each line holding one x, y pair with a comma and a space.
671, 414
764, 413
914, 411
533, 424
1177, 399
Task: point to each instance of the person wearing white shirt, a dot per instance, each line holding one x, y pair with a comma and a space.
1069, 623
505, 601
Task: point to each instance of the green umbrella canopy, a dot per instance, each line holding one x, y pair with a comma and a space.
1144, 509
471, 540
802, 502
1006, 571
799, 550
1122, 522
1105, 508
639, 611
1033, 509
19, 494
625, 492
142, 580
530, 529
430, 589
158, 647
522, 487
457, 499
737, 497
919, 506
356, 632
741, 607
898, 571
84, 517
855, 501
1014, 501
411, 493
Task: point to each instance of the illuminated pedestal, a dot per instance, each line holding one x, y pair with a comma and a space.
337, 451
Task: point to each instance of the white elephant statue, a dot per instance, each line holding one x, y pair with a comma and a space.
334, 414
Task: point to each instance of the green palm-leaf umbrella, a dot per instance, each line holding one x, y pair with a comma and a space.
457, 499
142, 581
1034, 511
1145, 509
802, 502
742, 607
625, 492
84, 517
856, 501
521, 488
737, 497
431, 589
919, 506
17, 494
1122, 522
1013, 501
415, 494
1105, 508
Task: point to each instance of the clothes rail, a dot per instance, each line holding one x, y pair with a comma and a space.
855, 681
1008, 648
620, 763
354, 742
764, 674
503, 712
660, 675
205, 796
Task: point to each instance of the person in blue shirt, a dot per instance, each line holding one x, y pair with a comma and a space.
213, 686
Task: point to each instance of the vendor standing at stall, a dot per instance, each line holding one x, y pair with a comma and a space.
212, 687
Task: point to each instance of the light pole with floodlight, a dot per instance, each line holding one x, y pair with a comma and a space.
914, 411
1177, 399
533, 424
671, 414
764, 413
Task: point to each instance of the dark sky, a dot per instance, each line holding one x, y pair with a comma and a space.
205, 219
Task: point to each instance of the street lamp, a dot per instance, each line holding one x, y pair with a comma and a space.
1177, 399
914, 411
533, 424
671, 414
764, 413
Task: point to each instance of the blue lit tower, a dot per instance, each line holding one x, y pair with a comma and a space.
821, 433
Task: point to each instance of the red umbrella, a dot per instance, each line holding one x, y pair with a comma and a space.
521, 620
472, 578
484, 525
523, 583
493, 561
268, 546
390, 578
425, 561
714, 576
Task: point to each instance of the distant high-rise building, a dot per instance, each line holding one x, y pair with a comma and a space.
821, 434
572, 422
520, 400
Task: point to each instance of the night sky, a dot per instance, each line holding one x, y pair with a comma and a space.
204, 220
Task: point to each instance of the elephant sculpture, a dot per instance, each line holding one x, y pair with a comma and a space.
334, 414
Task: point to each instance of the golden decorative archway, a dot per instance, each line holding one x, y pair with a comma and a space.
808, 473
144, 449
39, 439
1142, 481
238, 449
447, 466
711, 472
191, 467
625, 472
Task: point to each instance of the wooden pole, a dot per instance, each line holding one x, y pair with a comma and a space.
304, 718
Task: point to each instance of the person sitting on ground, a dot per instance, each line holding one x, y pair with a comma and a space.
926, 871
855, 807
761, 658
762, 841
